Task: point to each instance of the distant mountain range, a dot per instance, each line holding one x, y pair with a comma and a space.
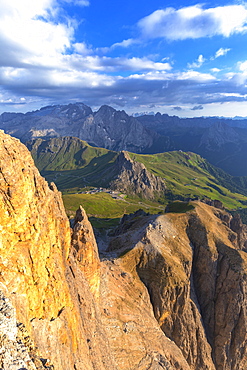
223, 142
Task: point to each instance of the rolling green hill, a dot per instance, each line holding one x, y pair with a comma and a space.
74, 165
188, 175
66, 153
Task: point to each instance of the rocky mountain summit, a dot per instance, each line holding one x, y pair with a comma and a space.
116, 130
168, 292
194, 270
106, 128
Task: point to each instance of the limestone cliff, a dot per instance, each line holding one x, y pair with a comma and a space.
134, 178
169, 292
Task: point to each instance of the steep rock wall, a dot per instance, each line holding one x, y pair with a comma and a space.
42, 273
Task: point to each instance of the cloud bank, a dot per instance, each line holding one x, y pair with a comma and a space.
194, 22
42, 61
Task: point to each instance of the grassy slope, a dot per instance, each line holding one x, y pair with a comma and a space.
65, 153
188, 175
98, 172
104, 210
72, 163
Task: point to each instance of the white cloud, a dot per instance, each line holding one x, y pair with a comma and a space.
78, 2
196, 76
151, 76
48, 81
221, 52
26, 9
29, 31
124, 43
235, 95
107, 64
242, 66
215, 70
139, 64
239, 79
179, 76
194, 22
76, 79
82, 48
198, 63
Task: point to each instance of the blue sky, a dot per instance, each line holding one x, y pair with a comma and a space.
181, 58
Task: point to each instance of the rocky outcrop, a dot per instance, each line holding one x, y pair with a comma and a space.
134, 178
219, 271
85, 250
17, 349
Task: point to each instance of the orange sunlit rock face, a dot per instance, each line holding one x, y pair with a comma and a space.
35, 255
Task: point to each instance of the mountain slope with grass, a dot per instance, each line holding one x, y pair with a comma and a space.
74, 165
